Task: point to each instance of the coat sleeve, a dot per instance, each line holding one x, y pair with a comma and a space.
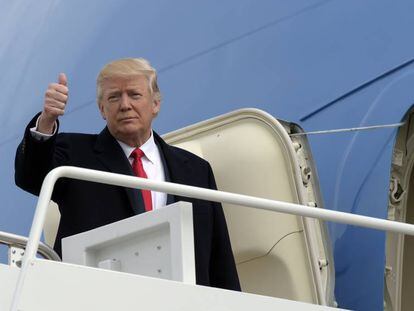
34, 159
223, 272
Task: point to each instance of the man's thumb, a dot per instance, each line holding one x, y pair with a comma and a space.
62, 79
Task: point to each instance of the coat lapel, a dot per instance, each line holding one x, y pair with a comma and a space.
111, 155
179, 170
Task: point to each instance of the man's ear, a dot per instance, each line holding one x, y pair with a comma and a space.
156, 107
101, 110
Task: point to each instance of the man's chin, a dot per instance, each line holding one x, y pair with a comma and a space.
132, 135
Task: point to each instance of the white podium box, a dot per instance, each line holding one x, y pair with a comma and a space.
158, 244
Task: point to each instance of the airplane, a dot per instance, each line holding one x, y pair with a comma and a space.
322, 64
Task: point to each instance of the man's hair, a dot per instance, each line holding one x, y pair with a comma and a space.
129, 67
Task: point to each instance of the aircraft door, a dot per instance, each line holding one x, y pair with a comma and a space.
251, 153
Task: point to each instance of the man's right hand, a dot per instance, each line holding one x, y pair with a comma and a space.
56, 97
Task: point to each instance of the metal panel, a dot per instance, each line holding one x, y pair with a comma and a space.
48, 284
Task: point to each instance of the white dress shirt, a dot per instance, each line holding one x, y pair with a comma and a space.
151, 161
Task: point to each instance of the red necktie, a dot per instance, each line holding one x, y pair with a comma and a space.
139, 171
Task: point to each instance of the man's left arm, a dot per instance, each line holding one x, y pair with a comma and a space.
223, 272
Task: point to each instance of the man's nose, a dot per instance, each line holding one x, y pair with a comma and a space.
125, 104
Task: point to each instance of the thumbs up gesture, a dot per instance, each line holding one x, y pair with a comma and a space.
54, 106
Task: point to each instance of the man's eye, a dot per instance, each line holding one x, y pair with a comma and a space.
135, 95
113, 98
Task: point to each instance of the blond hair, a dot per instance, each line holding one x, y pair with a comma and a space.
128, 67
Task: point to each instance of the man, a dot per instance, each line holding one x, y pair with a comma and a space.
129, 99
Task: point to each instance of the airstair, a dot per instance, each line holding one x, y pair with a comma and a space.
279, 239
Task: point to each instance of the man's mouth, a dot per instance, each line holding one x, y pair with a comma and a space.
127, 118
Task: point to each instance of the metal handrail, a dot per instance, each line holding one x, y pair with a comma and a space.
186, 191
44, 250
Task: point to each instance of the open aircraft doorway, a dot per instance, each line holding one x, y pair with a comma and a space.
277, 255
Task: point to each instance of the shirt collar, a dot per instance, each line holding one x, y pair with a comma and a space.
149, 148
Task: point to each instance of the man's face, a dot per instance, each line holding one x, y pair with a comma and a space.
128, 108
